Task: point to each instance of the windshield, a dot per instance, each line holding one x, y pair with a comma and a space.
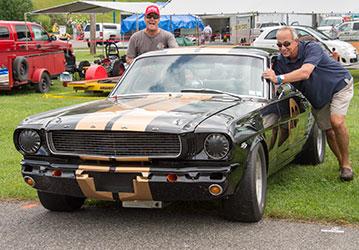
319, 34
329, 22
239, 75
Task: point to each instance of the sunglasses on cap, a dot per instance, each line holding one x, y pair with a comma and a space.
154, 16
285, 44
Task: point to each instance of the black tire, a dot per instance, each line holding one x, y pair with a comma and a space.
314, 150
58, 202
20, 69
44, 85
118, 68
248, 202
81, 69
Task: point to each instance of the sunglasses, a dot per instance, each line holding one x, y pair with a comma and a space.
285, 44
152, 16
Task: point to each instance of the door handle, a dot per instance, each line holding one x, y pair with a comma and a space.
38, 46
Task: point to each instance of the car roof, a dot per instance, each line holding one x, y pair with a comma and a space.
215, 50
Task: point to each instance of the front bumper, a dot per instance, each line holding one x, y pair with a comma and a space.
134, 181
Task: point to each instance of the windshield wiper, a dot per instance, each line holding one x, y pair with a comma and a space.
211, 91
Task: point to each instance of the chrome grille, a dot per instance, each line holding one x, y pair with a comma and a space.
114, 143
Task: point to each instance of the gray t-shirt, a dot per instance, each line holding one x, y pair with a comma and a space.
141, 43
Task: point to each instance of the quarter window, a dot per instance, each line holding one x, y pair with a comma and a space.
4, 33
272, 35
356, 26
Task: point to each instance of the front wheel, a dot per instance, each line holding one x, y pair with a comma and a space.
44, 85
118, 68
58, 202
248, 202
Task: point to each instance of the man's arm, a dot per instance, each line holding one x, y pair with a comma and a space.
303, 73
129, 60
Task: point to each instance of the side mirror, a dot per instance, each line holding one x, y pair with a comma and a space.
284, 89
53, 38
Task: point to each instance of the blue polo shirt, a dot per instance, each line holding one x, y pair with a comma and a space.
326, 79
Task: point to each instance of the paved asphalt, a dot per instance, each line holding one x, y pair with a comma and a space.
109, 226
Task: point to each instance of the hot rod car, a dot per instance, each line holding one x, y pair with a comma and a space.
181, 124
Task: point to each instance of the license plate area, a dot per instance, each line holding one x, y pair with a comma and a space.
113, 182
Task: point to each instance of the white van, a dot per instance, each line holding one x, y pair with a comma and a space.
105, 30
349, 31
326, 24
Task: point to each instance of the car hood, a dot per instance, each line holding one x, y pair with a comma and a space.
152, 113
339, 45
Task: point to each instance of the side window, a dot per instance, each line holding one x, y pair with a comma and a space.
39, 33
21, 35
4, 33
97, 27
302, 33
356, 26
272, 35
344, 27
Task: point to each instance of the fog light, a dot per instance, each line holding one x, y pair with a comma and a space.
215, 189
172, 177
29, 181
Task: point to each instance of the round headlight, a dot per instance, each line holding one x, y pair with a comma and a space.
216, 146
29, 141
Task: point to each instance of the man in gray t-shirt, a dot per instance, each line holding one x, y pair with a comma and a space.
151, 38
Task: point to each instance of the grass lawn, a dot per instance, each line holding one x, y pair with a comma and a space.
312, 193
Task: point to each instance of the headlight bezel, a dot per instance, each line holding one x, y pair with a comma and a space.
29, 141
216, 146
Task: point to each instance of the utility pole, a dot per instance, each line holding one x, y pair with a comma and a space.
93, 34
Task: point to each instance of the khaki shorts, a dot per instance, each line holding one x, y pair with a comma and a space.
337, 106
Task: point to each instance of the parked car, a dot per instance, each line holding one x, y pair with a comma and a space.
347, 52
31, 55
181, 124
349, 31
104, 32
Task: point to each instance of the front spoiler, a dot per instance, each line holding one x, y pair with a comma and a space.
132, 182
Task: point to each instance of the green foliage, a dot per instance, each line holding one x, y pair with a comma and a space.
45, 21
14, 10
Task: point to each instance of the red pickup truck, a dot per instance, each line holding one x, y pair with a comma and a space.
32, 56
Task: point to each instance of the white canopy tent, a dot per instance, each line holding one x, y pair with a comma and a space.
205, 7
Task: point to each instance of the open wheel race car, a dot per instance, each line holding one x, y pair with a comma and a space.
188, 124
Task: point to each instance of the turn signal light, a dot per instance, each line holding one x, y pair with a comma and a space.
56, 173
215, 189
172, 177
29, 181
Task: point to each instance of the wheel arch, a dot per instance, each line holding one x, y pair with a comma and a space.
36, 76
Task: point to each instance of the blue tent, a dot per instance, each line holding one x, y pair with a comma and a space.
178, 22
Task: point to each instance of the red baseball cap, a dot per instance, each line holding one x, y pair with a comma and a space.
152, 9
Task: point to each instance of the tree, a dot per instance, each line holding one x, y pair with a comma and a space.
14, 10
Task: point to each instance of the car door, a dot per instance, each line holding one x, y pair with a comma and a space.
344, 31
41, 39
355, 32
24, 42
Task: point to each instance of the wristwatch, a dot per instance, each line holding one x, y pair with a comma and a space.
280, 79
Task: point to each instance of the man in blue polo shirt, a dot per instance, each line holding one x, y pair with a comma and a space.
324, 82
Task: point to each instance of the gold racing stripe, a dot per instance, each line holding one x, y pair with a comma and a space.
139, 118
140, 184
99, 119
